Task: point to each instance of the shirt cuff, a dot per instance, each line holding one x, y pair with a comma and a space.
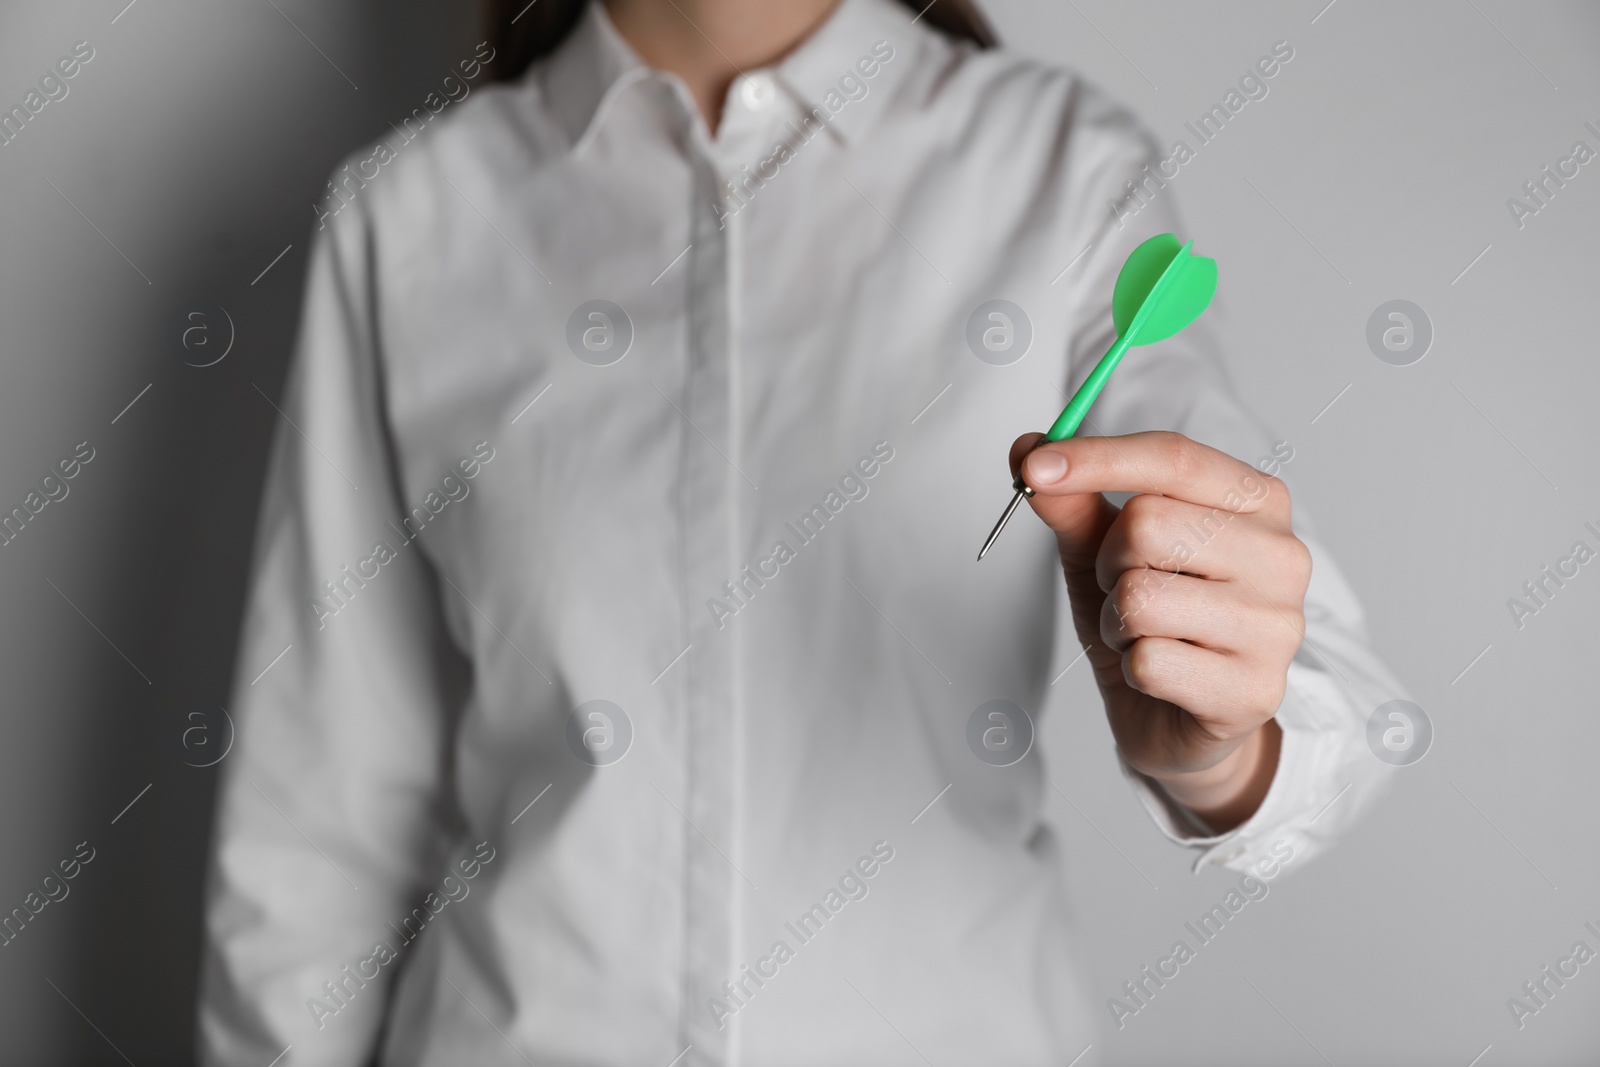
1309, 748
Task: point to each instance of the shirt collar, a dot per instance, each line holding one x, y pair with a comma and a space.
595, 65
586, 74
827, 72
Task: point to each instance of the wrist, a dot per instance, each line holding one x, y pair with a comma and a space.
1226, 794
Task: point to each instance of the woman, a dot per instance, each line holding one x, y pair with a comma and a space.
618, 686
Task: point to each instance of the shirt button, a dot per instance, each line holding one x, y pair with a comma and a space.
757, 91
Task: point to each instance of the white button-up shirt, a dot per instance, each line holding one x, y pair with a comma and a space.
617, 678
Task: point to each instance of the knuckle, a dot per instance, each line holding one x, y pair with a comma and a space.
1276, 495
1297, 631
1285, 641
1145, 518
1182, 454
1270, 693
1302, 553
1291, 561
1300, 561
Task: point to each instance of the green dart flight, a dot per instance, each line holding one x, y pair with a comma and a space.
1161, 289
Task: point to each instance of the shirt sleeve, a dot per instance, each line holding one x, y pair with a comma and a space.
1326, 774
328, 811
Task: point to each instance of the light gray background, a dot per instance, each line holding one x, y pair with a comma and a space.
1377, 168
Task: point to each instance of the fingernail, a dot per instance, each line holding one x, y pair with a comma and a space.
1046, 468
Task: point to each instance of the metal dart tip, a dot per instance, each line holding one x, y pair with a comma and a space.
1022, 491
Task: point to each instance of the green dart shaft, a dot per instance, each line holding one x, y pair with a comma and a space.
1160, 290
1072, 415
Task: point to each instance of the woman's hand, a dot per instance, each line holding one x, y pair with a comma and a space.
1189, 600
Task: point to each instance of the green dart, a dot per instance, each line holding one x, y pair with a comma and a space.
1161, 289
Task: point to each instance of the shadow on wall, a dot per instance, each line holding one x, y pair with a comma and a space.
199, 139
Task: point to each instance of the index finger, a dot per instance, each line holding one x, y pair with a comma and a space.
1153, 462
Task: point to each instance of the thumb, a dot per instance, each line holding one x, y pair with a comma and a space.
1080, 520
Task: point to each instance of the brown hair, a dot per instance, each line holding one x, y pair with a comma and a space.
521, 32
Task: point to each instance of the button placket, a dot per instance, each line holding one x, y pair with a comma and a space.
710, 788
